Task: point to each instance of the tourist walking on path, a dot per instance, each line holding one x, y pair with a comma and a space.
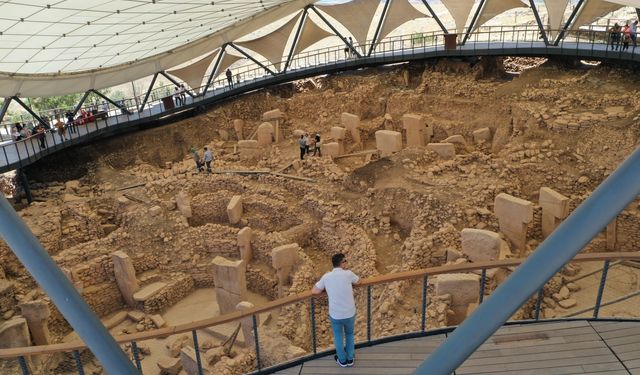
62, 131
302, 142
196, 158
342, 308
208, 158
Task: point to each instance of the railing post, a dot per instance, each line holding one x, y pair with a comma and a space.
603, 280
539, 303
255, 335
76, 356
313, 325
423, 321
483, 282
196, 347
368, 313
136, 355
23, 366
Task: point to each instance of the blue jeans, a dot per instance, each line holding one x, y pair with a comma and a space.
342, 328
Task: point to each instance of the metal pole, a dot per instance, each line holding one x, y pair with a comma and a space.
255, 336
603, 281
146, 96
369, 313
483, 282
252, 59
539, 21
215, 68
313, 325
136, 355
539, 303
344, 40
435, 16
23, 366
31, 112
423, 321
379, 27
296, 38
589, 219
165, 75
81, 102
64, 294
197, 349
473, 21
110, 101
569, 21
79, 367
5, 107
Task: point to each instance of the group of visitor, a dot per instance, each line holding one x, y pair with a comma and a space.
625, 35
308, 144
208, 159
180, 95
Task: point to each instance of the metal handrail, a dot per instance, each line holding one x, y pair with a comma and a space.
368, 283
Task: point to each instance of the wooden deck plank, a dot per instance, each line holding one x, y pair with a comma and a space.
290, 371
538, 347
541, 364
541, 357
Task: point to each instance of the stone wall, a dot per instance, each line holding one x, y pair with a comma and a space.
180, 286
95, 271
103, 298
262, 282
210, 207
628, 238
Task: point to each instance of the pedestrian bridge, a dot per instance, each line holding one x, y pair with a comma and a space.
488, 41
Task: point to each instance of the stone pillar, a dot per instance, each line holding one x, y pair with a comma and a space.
444, 150
244, 244
275, 117
513, 215
238, 126
246, 325
388, 142
339, 134
612, 233
234, 209
417, 133
248, 149
265, 134
330, 149
14, 333
482, 245
183, 202
555, 207
282, 259
125, 276
482, 135
464, 290
351, 122
36, 314
230, 282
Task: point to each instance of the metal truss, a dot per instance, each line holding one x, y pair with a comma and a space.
473, 21
165, 75
543, 32
5, 107
31, 112
338, 34
376, 35
569, 22
146, 96
252, 59
435, 16
215, 68
296, 39
122, 108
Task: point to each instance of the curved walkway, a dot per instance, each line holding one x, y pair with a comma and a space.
23, 153
561, 347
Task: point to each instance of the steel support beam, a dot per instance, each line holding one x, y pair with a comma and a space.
146, 96
296, 38
590, 218
31, 112
573, 15
64, 294
215, 68
81, 102
473, 21
252, 59
435, 16
543, 32
110, 101
165, 75
379, 27
338, 34
5, 107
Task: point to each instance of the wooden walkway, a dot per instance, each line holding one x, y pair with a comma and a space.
577, 347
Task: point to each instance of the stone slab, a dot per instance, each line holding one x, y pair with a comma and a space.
234, 209
388, 142
148, 291
481, 245
444, 150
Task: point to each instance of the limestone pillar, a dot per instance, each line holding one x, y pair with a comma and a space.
513, 216
276, 118
388, 142
234, 209
555, 207
36, 314
244, 244
246, 325
339, 134
238, 126
464, 290
125, 276
265, 134
482, 135
351, 122
418, 134
444, 150
482, 245
14, 333
612, 232
183, 202
230, 282
330, 149
248, 149
282, 259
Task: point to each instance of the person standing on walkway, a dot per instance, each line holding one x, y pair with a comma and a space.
342, 308
183, 94
40, 134
208, 158
229, 77
626, 37
302, 142
62, 131
614, 35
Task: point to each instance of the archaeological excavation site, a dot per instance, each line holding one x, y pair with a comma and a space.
460, 167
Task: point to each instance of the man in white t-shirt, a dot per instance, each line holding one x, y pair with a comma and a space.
342, 308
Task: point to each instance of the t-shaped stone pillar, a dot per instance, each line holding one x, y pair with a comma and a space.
417, 132
388, 142
481, 245
339, 134
275, 117
555, 207
234, 209
238, 126
244, 244
464, 290
265, 134
36, 313
230, 280
183, 202
125, 276
351, 122
246, 324
282, 259
513, 215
